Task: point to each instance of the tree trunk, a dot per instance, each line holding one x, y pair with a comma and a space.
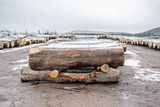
50, 59
29, 75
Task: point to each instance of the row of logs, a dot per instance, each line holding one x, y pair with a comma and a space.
21, 42
113, 38
72, 37
151, 43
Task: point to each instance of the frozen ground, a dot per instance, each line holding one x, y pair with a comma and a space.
139, 85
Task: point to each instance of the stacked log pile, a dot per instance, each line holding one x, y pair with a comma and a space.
23, 40
141, 41
72, 37
71, 61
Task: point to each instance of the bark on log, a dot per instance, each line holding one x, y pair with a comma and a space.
124, 46
112, 76
50, 59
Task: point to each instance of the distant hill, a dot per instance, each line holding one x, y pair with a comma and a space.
87, 32
155, 31
152, 32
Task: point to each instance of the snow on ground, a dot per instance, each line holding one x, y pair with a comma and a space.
145, 74
20, 66
132, 62
21, 61
130, 53
85, 44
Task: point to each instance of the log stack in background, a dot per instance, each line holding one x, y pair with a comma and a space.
151, 42
23, 40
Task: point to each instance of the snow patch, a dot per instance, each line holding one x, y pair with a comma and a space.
132, 62
84, 44
147, 74
131, 53
21, 61
18, 67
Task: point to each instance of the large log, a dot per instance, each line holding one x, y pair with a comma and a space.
112, 75
50, 59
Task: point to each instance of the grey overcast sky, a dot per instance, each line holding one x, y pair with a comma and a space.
67, 15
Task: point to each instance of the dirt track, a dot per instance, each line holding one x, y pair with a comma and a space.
139, 85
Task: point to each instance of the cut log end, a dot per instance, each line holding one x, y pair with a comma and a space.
98, 68
105, 68
54, 74
12, 43
1, 45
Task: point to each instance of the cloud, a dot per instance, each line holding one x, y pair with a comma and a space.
66, 15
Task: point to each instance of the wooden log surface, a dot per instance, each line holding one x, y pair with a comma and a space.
6, 44
50, 59
112, 75
1, 45
105, 68
19, 42
12, 43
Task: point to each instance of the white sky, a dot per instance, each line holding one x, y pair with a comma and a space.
67, 15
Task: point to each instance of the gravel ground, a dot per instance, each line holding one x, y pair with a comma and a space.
139, 85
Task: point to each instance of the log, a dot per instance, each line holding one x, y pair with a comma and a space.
1, 45
19, 42
50, 59
105, 68
155, 45
158, 46
124, 46
24, 42
28, 42
112, 75
6, 44
150, 44
12, 43
54, 74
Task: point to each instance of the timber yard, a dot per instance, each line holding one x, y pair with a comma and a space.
112, 70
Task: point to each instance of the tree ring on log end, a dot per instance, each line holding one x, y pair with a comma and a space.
105, 68
54, 74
